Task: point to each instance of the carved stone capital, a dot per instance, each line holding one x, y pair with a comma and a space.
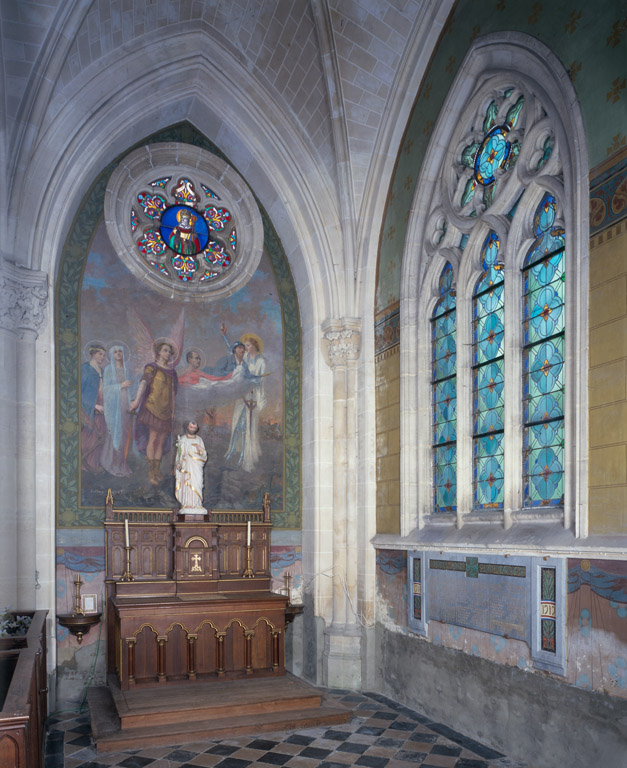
23, 298
341, 341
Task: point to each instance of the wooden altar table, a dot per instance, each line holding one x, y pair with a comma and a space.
190, 600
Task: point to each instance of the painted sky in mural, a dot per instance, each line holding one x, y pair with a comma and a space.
149, 363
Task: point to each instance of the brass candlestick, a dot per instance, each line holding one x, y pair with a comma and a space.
127, 575
78, 611
248, 573
287, 587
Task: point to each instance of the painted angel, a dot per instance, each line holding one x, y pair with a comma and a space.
155, 400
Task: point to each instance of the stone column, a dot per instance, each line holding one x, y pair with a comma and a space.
23, 298
342, 652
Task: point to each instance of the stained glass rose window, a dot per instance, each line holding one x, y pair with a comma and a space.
183, 219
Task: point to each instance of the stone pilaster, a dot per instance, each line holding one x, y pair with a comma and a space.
342, 656
23, 302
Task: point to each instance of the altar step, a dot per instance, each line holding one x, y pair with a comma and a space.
176, 714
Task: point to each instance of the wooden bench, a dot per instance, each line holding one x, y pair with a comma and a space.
23, 695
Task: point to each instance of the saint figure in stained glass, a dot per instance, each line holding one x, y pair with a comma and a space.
184, 230
179, 239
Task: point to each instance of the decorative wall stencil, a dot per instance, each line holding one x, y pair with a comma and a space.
608, 196
86, 562
416, 566
387, 332
287, 561
597, 625
392, 586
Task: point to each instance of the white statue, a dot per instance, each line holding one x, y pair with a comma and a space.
190, 461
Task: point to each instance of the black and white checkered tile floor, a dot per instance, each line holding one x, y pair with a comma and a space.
381, 734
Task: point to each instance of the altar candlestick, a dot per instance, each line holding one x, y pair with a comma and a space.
248, 535
126, 531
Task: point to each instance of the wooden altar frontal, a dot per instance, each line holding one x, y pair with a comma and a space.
190, 599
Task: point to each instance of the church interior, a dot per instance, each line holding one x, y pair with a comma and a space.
315, 366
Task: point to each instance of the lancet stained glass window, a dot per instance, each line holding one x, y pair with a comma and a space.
500, 389
445, 394
488, 379
543, 360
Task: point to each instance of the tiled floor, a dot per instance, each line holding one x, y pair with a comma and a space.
381, 734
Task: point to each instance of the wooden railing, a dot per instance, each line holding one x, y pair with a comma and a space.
23, 695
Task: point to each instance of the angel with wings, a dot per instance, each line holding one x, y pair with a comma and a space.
155, 399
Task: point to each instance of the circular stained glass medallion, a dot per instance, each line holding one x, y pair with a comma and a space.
156, 214
492, 154
184, 230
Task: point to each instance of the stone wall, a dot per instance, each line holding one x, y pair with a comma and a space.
532, 718
608, 350
388, 440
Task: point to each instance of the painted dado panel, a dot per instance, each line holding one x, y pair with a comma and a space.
590, 614
519, 598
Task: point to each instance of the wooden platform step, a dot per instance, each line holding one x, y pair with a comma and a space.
211, 701
178, 714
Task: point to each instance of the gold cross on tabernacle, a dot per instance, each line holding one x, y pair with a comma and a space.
196, 560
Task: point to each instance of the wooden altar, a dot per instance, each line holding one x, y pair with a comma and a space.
189, 599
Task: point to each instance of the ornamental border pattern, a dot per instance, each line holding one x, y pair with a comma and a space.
608, 197
70, 513
387, 332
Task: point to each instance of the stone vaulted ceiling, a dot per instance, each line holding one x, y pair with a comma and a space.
322, 61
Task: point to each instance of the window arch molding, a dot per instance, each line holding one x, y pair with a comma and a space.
501, 59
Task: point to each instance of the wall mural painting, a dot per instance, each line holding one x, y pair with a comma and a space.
149, 364
597, 625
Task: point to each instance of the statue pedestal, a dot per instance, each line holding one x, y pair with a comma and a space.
194, 517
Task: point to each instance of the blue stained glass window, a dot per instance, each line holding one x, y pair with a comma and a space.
444, 389
543, 360
493, 152
488, 379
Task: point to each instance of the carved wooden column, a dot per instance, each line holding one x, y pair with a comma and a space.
161, 641
220, 653
342, 654
23, 299
130, 659
249, 634
191, 656
276, 636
